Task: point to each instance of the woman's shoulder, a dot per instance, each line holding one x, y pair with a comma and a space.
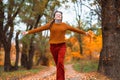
67, 25
48, 23
64, 23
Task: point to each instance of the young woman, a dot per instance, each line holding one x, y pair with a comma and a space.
57, 41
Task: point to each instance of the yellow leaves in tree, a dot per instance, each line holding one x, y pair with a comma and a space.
76, 55
73, 40
91, 46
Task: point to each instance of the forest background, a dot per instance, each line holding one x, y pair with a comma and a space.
36, 13
33, 50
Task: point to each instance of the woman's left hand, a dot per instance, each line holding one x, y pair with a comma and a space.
87, 34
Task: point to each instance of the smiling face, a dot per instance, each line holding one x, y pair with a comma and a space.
58, 16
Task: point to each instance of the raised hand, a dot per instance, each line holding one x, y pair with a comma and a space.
24, 33
88, 34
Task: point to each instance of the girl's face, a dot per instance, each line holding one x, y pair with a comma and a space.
58, 16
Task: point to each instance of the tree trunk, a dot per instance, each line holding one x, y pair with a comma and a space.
43, 60
7, 61
24, 56
3, 40
31, 54
24, 60
1, 20
17, 51
80, 43
79, 37
109, 62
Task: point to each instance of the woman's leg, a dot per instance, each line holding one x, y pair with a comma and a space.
58, 52
60, 63
54, 51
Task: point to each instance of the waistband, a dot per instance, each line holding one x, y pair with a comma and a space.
57, 44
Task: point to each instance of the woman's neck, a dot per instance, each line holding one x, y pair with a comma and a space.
58, 21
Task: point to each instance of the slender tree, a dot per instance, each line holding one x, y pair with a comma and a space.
8, 13
78, 11
17, 50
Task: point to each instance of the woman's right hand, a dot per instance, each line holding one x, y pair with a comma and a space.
24, 33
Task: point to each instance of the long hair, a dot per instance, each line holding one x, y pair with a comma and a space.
51, 23
53, 18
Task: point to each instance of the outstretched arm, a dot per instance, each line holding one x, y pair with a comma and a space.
39, 29
76, 30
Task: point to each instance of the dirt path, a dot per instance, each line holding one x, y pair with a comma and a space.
70, 74
50, 74
42, 75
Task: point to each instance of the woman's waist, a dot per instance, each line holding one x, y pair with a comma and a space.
57, 44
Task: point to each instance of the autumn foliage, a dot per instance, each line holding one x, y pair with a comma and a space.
91, 47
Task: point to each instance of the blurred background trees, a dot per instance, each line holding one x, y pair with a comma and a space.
101, 20
8, 13
33, 49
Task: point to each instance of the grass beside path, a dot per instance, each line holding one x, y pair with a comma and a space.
85, 65
89, 69
22, 72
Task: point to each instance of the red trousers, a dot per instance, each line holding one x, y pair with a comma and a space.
58, 52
